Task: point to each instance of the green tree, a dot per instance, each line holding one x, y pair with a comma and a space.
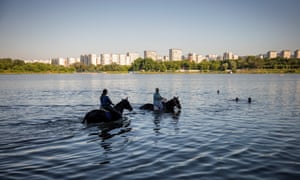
6, 63
233, 65
171, 66
215, 65
79, 67
225, 66
204, 65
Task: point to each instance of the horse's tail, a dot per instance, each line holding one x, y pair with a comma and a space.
84, 120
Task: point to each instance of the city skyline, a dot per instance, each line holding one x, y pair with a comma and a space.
35, 29
175, 54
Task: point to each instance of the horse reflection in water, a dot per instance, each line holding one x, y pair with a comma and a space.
107, 131
106, 128
169, 107
165, 122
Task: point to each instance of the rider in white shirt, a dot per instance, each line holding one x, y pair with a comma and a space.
158, 101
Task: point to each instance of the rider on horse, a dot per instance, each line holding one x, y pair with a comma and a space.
158, 101
106, 103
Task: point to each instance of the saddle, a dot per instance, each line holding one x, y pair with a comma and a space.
107, 113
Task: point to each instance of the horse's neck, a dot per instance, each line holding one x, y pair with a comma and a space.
119, 107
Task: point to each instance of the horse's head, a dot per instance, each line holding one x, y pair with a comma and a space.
126, 105
176, 102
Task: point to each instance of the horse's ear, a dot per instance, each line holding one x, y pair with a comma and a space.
126, 98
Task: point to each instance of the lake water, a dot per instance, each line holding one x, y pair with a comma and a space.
214, 137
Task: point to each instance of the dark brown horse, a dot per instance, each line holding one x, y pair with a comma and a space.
100, 115
169, 106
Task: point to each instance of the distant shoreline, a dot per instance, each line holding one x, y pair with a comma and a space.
244, 71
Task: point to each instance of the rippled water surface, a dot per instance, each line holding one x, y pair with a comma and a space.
214, 137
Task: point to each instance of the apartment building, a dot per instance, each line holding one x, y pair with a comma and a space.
175, 54
105, 59
192, 57
71, 60
286, 54
132, 56
59, 61
297, 54
150, 54
115, 58
90, 59
271, 54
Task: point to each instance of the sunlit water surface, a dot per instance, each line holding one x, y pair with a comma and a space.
214, 137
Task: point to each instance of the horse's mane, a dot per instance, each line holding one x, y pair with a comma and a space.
121, 105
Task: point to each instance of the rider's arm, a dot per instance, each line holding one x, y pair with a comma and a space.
109, 101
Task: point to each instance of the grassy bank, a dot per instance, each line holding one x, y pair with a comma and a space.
268, 71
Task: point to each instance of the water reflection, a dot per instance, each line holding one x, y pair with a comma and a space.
106, 128
156, 121
159, 117
107, 135
108, 131
216, 138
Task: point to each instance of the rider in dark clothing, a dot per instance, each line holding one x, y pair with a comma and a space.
106, 102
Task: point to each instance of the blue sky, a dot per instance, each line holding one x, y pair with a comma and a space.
43, 29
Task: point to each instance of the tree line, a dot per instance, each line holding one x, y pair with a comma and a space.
8, 65
247, 63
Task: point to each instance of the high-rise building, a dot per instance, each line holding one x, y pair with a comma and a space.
59, 61
175, 54
92, 59
132, 57
105, 59
88, 59
297, 54
212, 57
84, 59
271, 54
71, 60
227, 55
150, 54
98, 59
115, 58
122, 59
166, 58
286, 54
199, 58
192, 57
230, 55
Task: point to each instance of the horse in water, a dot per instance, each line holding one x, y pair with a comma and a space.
169, 106
101, 115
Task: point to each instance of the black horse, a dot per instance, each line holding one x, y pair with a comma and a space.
169, 106
100, 115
